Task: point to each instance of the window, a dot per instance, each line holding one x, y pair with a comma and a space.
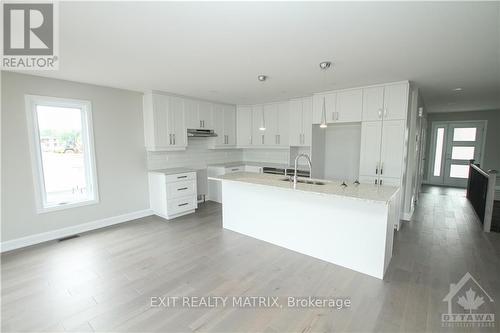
62, 152
439, 152
464, 134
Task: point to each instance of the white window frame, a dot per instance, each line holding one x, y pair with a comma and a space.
31, 102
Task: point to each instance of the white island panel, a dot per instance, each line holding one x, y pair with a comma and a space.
357, 234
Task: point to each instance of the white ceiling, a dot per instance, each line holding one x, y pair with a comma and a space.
216, 50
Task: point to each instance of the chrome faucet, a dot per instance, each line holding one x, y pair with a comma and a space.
295, 167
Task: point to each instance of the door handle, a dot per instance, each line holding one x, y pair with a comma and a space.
183, 204
182, 189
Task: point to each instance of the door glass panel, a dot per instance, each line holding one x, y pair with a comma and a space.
462, 153
459, 171
439, 152
464, 134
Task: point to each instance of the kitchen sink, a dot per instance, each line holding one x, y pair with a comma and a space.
305, 181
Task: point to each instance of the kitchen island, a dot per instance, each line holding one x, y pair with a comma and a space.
349, 226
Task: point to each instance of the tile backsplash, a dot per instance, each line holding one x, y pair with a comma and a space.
198, 155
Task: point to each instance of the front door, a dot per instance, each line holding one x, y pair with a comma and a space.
453, 145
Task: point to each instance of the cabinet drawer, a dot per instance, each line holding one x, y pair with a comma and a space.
179, 205
181, 189
181, 176
235, 169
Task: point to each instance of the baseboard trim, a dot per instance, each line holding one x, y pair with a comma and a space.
65, 232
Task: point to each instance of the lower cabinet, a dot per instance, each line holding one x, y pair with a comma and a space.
172, 195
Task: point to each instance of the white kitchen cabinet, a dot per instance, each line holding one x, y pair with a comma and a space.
396, 101
258, 136
191, 113
371, 138
389, 102
205, 115
244, 126
349, 106
307, 117
271, 122
330, 107
301, 117
393, 143
283, 124
224, 117
382, 149
230, 124
172, 195
164, 123
373, 103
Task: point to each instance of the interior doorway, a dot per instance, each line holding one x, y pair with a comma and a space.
453, 145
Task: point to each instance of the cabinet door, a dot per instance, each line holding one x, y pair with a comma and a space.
258, 136
177, 123
369, 162
191, 113
349, 106
393, 142
295, 107
230, 124
396, 101
271, 118
205, 115
373, 103
330, 100
161, 123
283, 124
244, 126
218, 116
307, 121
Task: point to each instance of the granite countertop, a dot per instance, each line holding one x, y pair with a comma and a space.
368, 192
173, 171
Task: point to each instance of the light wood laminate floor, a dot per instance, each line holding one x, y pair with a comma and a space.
103, 280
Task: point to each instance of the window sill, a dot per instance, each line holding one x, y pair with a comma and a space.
66, 206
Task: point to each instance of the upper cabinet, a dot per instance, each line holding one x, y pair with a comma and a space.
224, 117
330, 102
349, 106
164, 123
244, 126
343, 106
301, 119
388, 102
199, 114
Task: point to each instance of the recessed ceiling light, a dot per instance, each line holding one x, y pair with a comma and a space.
262, 78
457, 89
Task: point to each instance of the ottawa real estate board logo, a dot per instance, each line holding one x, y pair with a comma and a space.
30, 36
469, 305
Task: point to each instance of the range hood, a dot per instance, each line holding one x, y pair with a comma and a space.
201, 133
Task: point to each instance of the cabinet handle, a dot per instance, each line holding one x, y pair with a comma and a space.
174, 138
382, 168
380, 183
262, 138
235, 169
376, 169
200, 124
170, 139
183, 204
250, 139
203, 123
380, 113
279, 139
376, 181
179, 177
385, 112
182, 189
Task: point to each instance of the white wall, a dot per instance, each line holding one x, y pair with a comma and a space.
119, 147
267, 155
